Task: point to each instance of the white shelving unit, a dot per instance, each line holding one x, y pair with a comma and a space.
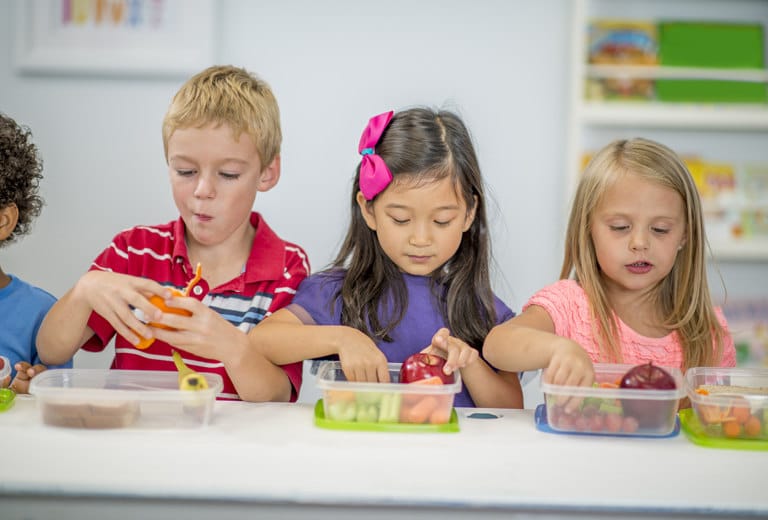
667, 115
745, 126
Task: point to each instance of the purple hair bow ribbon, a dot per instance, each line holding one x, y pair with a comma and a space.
374, 174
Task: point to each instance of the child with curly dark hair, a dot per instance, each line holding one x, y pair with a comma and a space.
22, 305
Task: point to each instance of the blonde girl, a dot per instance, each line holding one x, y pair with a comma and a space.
633, 284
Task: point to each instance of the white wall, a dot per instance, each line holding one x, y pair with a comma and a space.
501, 64
332, 65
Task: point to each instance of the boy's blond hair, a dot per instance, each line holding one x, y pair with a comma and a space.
683, 295
223, 94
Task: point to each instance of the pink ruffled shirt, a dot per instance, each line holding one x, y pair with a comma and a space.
566, 303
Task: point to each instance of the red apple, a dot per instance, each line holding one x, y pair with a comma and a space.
420, 366
650, 413
648, 376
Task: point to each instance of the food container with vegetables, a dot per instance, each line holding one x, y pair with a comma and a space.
423, 405
625, 400
728, 404
96, 398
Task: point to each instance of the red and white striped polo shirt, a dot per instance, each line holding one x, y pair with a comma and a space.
274, 270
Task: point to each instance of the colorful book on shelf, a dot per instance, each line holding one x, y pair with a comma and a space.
717, 45
715, 180
748, 324
734, 198
720, 197
621, 42
754, 184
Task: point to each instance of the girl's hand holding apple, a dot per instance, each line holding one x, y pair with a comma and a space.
457, 353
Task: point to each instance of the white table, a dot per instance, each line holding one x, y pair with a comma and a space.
270, 460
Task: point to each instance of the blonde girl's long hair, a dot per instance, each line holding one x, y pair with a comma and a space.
683, 295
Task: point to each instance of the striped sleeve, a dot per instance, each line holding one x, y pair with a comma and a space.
295, 270
113, 259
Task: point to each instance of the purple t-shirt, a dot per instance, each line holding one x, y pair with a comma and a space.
412, 334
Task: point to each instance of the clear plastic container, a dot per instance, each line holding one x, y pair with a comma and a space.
606, 409
96, 398
7, 396
729, 403
393, 403
5, 368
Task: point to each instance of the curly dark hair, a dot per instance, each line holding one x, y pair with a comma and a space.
20, 172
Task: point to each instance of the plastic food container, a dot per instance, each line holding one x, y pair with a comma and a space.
729, 403
391, 406
95, 398
5, 368
7, 396
606, 409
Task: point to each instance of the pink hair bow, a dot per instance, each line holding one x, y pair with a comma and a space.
374, 174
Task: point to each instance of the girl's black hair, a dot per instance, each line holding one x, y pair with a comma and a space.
421, 145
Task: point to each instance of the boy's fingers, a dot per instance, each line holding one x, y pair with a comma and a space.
132, 336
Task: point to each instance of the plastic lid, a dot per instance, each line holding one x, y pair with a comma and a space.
331, 377
92, 383
612, 372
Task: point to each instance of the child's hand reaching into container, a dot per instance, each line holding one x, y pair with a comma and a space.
569, 365
457, 353
360, 358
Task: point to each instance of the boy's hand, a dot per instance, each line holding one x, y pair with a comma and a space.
113, 296
361, 359
204, 333
24, 373
457, 353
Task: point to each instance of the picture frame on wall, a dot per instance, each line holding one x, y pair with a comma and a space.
168, 38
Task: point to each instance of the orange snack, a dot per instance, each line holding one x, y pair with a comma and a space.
420, 411
712, 414
752, 426
340, 396
731, 429
434, 380
441, 415
159, 302
741, 413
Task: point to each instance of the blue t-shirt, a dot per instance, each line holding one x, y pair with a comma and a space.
22, 309
414, 332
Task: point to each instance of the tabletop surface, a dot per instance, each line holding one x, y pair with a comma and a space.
273, 452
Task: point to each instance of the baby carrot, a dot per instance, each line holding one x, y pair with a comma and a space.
420, 411
440, 415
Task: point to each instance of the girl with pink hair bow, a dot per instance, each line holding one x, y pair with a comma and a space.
413, 271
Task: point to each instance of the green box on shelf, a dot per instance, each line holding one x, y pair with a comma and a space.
711, 45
